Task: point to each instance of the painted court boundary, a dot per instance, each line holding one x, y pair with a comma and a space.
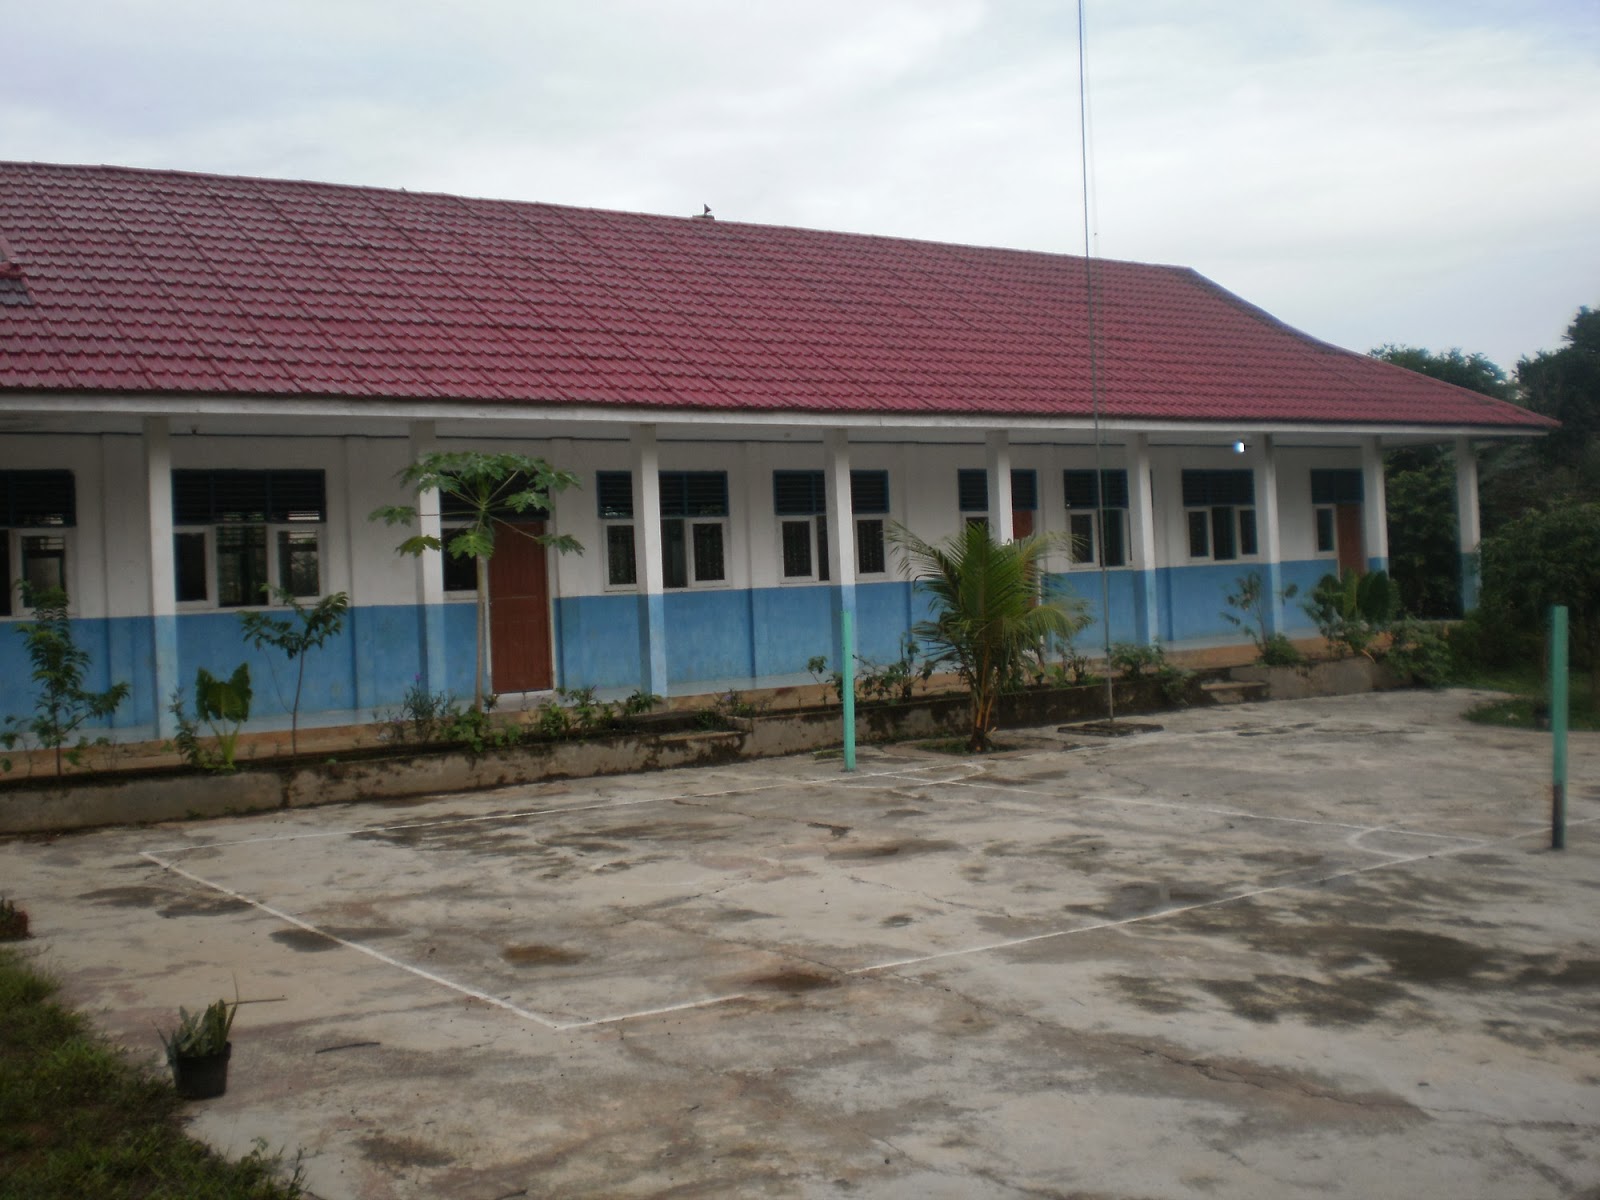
164, 858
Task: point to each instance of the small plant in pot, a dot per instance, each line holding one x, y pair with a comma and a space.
13, 921
198, 1050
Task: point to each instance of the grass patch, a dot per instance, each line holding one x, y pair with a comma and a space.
1527, 706
77, 1119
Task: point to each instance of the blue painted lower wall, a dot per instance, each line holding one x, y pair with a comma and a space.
731, 637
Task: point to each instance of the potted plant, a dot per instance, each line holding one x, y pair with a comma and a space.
13, 921
198, 1050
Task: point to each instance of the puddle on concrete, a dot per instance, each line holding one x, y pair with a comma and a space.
403, 1152
1152, 995
307, 940
897, 921
1349, 1000
737, 915
127, 897
535, 955
794, 981
903, 849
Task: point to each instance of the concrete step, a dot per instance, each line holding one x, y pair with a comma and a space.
1226, 691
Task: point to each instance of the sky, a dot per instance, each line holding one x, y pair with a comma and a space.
1418, 172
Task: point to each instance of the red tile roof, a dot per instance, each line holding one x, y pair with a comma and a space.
158, 281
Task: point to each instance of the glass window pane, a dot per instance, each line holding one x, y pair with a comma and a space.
297, 562
1199, 533
1082, 528
1115, 543
708, 552
189, 566
44, 563
460, 571
241, 565
621, 568
1247, 531
7, 584
1325, 539
674, 555
822, 549
869, 548
796, 539
1223, 545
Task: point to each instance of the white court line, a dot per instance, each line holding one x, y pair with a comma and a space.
559, 1026
313, 835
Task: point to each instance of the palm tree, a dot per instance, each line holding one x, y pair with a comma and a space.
989, 621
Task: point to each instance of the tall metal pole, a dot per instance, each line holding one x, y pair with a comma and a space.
1558, 727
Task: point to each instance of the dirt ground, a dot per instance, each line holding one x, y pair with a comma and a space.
1316, 948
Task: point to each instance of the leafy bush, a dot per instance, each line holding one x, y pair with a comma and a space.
1249, 598
1353, 610
1133, 660
1420, 654
224, 706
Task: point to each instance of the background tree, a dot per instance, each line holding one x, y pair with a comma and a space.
1565, 384
1420, 486
988, 619
492, 490
1544, 558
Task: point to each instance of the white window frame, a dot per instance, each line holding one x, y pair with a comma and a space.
816, 544
211, 603
1317, 510
1084, 555
691, 565
69, 566
1210, 511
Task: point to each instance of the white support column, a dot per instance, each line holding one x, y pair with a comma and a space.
1268, 534
647, 554
1468, 530
1142, 535
422, 438
997, 448
841, 536
163, 581
1374, 505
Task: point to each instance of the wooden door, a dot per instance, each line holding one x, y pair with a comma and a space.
1352, 550
519, 611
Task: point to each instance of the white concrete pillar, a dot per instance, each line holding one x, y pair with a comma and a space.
422, 438
997, 447
164, 676
647, 554
1469, 532
841, 536
1268, 533
1374, 505
1142, 538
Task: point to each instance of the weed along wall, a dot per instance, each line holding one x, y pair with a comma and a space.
662, 741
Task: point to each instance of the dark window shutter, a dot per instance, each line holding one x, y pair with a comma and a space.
36, 498
1343, 486
1081, 492
972, 490
296, 496
694, 493
869, 491
614, 492
799, 493
1024, 491
1205, 488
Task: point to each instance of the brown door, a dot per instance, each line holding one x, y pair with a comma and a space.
519, 611
1352, 553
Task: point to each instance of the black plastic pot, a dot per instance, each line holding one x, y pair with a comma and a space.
201, 1076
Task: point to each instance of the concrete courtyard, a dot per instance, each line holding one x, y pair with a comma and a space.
1316, 948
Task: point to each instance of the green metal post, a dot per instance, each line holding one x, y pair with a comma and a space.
847, 642
1558, 727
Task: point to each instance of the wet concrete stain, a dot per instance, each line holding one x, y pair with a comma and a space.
403, 1152
167, 903
897, 921
536, 955
1350, 1000
127, 897
904, 849
306, 940
794, 982
1152, 995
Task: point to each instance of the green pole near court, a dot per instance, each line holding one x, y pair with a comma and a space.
847, 644
1558, 727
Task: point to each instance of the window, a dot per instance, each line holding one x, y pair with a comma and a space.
36, 509
800, 500
460, 573
694, 508
1330, 489
614, 495
1220, 509
972, 497
1097, 517
869, 504
238, 534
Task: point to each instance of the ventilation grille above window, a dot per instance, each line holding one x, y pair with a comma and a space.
31, 499
1081, 491
248, 497
799, 493
1202, 489
694, 493
869, 491
1341, 486
614, 492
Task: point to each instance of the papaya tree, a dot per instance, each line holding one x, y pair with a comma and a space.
488, 491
